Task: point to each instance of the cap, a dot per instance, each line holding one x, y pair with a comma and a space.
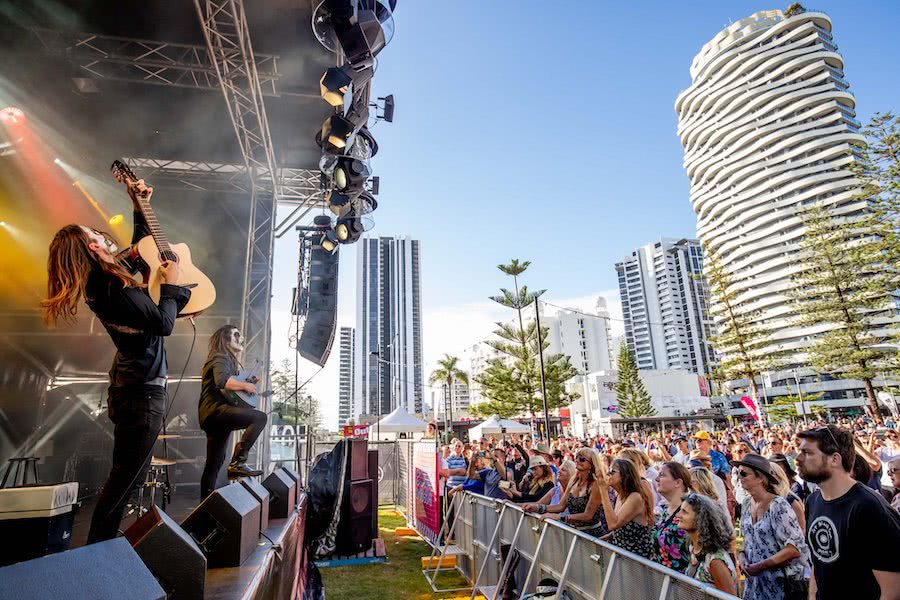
537, 461
703, 435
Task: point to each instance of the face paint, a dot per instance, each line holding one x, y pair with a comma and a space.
101, 240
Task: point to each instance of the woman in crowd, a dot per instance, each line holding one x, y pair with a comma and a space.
583, 499
646, 472
704, 482
711, 536
673, 482
566, 472
775, 554
893, 471
630, 520
785, 474
539, 484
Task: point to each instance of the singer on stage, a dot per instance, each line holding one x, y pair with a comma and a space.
221, 412
82, 264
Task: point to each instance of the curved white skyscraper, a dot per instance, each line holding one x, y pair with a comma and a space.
767, 127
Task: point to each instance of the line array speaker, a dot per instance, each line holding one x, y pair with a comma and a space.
321, 319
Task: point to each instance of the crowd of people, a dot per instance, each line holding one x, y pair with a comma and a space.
792, 511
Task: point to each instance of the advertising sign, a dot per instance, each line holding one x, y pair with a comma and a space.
356, 431
424, 481
750, 405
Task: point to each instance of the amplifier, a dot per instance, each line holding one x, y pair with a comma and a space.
39, 518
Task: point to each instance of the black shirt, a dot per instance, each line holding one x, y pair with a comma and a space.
134, 322
216, 372
848, 538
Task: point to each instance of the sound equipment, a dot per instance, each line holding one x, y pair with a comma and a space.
225, 526
262, 496
357, 454
108, 570
39, 519
170, 554
151, 251
354, 531
373, 475
283, 490
298, 484
321, 317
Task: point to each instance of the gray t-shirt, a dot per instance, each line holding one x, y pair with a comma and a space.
492, 479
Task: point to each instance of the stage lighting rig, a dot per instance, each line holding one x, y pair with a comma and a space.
336, 133
336, 82
338, 203
386, 105
362, 28
350, 174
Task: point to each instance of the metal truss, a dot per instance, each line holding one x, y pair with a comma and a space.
148, 61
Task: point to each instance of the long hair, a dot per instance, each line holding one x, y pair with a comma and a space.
69, 264
537, 482
218, 344
783, 487
631, 483
638, 457
714, 528
702, 480
679, 471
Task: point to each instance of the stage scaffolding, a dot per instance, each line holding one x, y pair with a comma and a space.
228, 63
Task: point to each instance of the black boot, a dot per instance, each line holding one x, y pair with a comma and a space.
238, 466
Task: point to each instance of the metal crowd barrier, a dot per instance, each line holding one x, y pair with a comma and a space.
497, 541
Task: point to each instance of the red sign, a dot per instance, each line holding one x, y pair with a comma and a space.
355, 431
564, 416
750, 405
425, 482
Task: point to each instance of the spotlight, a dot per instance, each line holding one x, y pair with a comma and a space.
388, 110
11, 114
350, 174
364, 145
350, 228
2, 223
56, 161
336, 132
334, 85
329, 241
116, 220
339, 203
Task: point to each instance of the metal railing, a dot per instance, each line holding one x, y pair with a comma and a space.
499, 545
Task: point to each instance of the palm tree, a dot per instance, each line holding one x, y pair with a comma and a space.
447, 372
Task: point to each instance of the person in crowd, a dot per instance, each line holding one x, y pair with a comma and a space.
646, 472
774, 556
711, 535
719, 466
582, 501
471, 484
566, 472
540, 482
671, 541
630, 520
774, 445
738, 451
893, 472
708, 484
683, 453
853, 533
496, 476
457, 462
782, 471
885, 449
863, 471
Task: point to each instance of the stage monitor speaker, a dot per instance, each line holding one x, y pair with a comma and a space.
39, 518
354, 532
225, 526
108, 570
283, 492
373, 475
170, 554
359, 459
297, 482
262, 495
321, 318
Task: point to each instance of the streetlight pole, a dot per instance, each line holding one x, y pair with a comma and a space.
537, 317
800, 395
377, 355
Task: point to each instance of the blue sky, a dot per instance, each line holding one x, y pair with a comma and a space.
546, 131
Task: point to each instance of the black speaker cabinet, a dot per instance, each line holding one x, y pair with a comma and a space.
321, 317
225, 526
262, 496
373, 475
108, 570
170, 554
283, 492
296, 477
354, 532
359, 459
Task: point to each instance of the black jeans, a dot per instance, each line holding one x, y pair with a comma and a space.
137, 413
218, 426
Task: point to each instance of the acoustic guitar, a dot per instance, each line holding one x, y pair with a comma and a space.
153, 250
248, 399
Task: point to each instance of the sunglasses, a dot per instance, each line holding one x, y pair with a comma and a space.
742, 473
582, 458
828, 429
891, 472
612, 472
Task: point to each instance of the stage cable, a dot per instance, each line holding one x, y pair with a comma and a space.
187, 361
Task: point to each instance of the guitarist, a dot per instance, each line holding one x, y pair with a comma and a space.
220, 414
82, 264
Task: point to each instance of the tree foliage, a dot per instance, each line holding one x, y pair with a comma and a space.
784, 408
448, 373
512, 384
290, 408
632, 396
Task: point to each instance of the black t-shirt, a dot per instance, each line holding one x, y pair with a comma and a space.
215, 373
848, 538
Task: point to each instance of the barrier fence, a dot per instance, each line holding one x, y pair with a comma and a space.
499, 547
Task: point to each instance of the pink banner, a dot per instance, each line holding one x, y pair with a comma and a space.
425, 482
750, 405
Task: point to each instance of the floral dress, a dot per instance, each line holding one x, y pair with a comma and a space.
768, 536
672, 543
634, 538
700, 569
576, 505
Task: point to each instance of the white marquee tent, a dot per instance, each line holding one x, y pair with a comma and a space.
398, 421
496, 425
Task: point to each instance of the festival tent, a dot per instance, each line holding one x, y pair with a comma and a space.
399, 421
496, 425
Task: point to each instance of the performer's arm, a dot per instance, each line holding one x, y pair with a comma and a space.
141, 229
136, 309
225, 379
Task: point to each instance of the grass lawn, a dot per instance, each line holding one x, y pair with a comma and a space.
399, 577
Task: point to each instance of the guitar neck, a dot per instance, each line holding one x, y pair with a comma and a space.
159, 236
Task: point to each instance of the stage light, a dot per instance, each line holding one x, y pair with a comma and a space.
388, 110
336, 132
350, 174
2, 223
350, 228
339, 203
329, 241
116, 220
13, 115
56, 161
334, 85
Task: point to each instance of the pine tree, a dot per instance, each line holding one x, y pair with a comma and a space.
512, 384
634, 401
739, 339
288, 407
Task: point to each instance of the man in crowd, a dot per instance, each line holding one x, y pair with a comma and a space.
494, 477
853, 534
457, 464
683, 454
